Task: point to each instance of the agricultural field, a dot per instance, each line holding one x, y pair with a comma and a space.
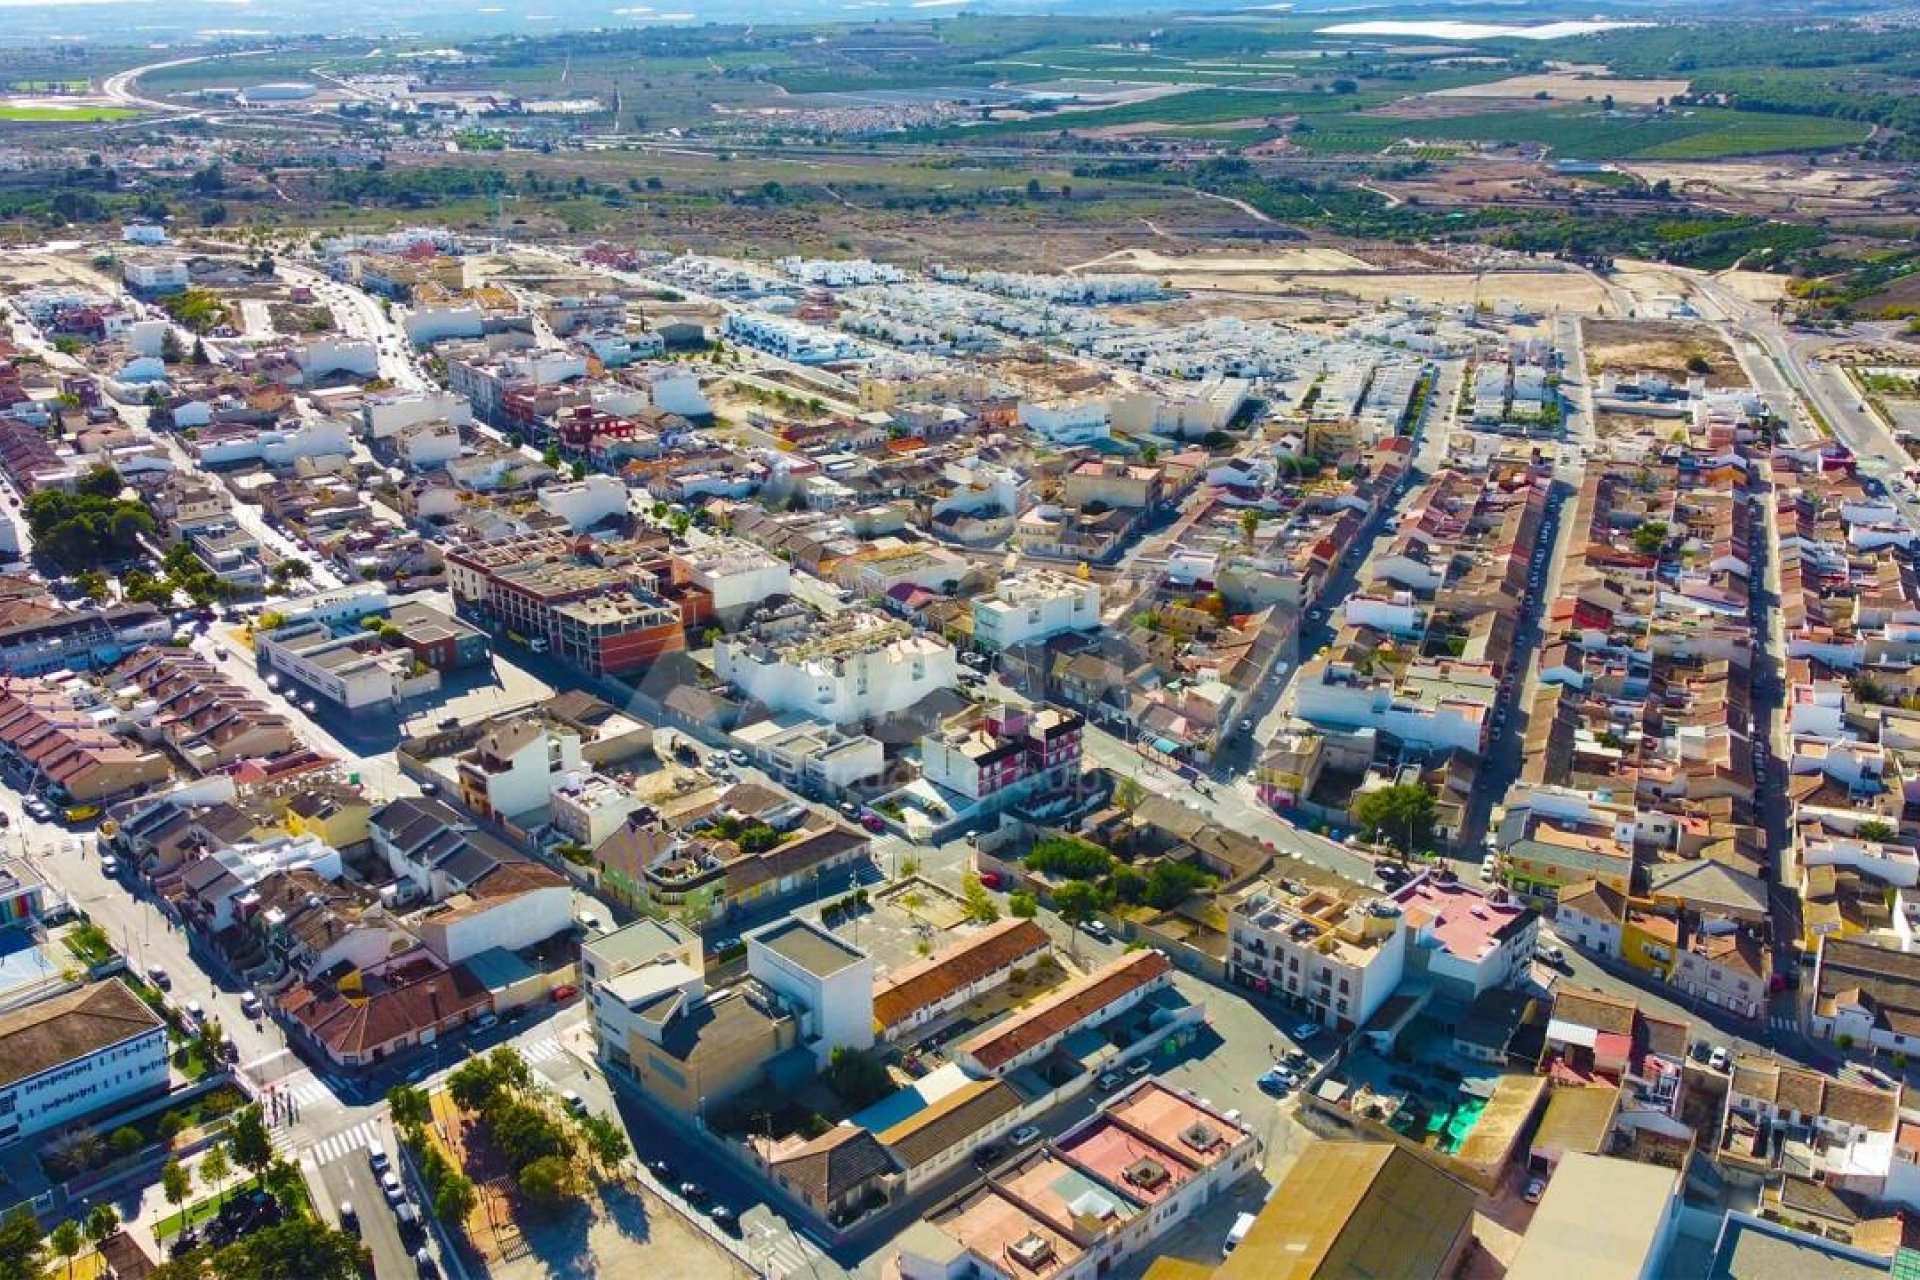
60, 113
1590, 133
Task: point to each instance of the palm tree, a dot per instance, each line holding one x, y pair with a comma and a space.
66, 1241
102, 1223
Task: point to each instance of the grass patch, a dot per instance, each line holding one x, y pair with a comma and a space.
63, 115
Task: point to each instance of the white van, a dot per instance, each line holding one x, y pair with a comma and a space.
1241, 1225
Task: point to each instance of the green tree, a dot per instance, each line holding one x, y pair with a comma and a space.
454, 1199
1875, 831
100, 482
66, 1241
409, 1106
298, 1249
857, 1077
215, 1169
548, 1182
20, 1247
1650, 537
124, 1141
1022, 905
980, 907
1077, 901
1128, 793
248, 1141
1063, 857
1127, 885
176, 1184
511, 1069
474, 1084
102, 1223
606, 1141
1171, 883
1401, 814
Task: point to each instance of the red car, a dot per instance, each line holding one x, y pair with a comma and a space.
565, 991
872, 822
992, 879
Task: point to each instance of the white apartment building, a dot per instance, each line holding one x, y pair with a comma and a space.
866, 665
352, 669
1075, 421
585, 502
829, 981
318, 357
76, 1055
1034, 605
423, 446
388, 412
737, 574
512, 769
1337, 955
1430, 703
148, 274
1188, 411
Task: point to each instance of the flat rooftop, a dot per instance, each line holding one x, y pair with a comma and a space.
807, 946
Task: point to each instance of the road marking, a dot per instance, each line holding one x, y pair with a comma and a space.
542, 1050
788, 1253
359, 1138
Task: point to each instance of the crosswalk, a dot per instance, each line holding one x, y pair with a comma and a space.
304, 1089
544, 1049
1784, 1022
789, 1252
331, 1148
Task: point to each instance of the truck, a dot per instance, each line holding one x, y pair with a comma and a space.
1238, 1232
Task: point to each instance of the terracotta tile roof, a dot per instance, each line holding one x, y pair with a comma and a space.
1071, 1006
955, 968
1594, 1009
43, 1036
956, 1118
835, 1164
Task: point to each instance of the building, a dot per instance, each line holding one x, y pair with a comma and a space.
77, 1055
1034, 605
408, 1002
47, 728
1105, 1190
866, 666
737, 574
152, 275
1035, 1031
1600, 1219
1868, 993
1335, 953
1464, 942
1005, 756
924, 992
513, 768
829, 983
514, 906
1350, 1209
588, 808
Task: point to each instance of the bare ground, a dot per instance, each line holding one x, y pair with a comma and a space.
1662, 347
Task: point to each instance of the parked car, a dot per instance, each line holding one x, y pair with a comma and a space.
1023, 1135
1275, 1083
158, 977
1535, 1188
1305, 1031
565, 992
1098, 929
724, 1218
486, 1022
377, 1158
738, 756
194, 1012
1719, 1058
1110, 1081
572, 1101
992, 879
1138, 1067
693, 1193
423, 1263
109, 865
663, 1170
1549, 954
251, 1006
349, 1220
392, 1188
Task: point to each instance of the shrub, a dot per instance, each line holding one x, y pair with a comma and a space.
1068, 859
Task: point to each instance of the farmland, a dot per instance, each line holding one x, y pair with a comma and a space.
1591, 133
50, 113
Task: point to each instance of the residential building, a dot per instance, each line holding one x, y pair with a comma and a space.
62, 740
514, 906
407, 1002
921, 994
1335, 953
1466, 942
1782, 1118
77, 1055
804, 753
512, 769
152, 275
589, 808
1107, 1189
829, 983
1868, 993
868, 666
1036, 1030
1005, 756
1032, 606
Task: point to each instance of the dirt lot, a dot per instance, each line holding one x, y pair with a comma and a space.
1564, 85
1539, 290
1302, 258
1665, 347
626, 1232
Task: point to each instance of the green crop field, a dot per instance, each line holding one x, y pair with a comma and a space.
62, 115
1698, 134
